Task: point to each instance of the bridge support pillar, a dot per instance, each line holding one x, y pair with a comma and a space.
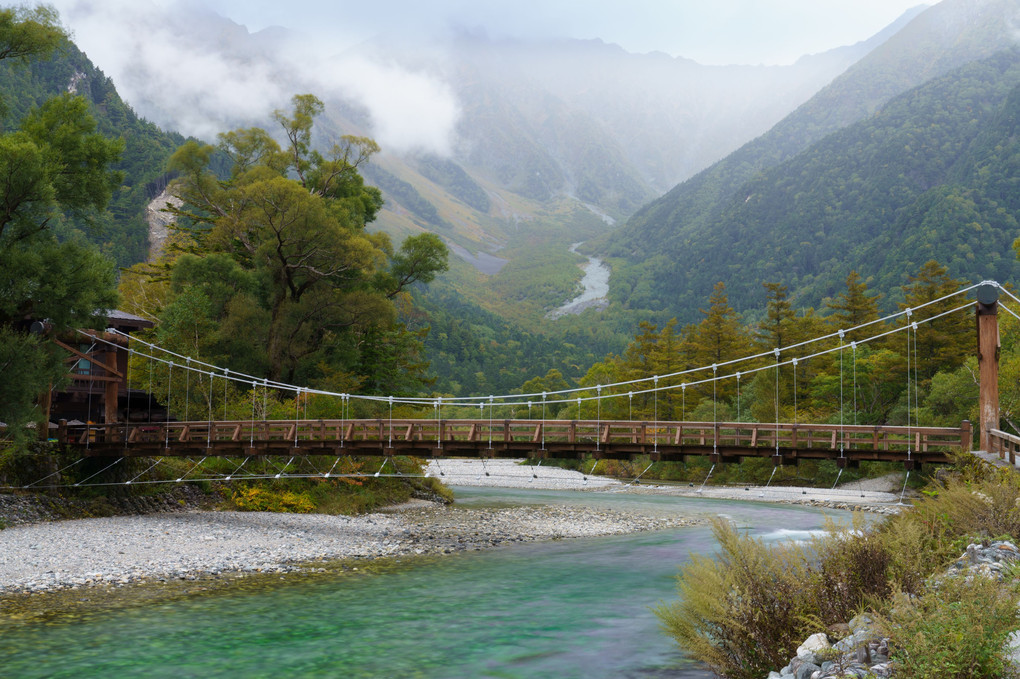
988, 361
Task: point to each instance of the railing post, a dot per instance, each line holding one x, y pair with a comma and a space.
988, 360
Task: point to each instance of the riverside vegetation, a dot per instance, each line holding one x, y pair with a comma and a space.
745, 611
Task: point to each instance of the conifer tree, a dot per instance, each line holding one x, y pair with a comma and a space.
942, 343
853, 308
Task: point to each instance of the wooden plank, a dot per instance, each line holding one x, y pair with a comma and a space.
473, 433
91, 358
185, 434
409, 433
754, 437
537, 435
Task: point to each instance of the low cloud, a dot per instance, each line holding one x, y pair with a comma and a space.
187, 69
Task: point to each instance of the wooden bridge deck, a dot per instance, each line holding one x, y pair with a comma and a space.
723, 441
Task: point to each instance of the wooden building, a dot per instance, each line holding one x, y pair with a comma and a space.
98, 391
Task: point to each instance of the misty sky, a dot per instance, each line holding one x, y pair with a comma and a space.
708, 31
175, 69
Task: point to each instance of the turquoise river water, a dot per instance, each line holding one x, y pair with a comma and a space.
562, 609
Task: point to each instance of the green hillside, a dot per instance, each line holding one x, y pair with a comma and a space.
122, 233
931, 176
675, 233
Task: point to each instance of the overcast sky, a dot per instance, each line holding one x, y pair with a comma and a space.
174, 69
708, 31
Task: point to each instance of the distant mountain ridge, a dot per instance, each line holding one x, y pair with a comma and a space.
664, 254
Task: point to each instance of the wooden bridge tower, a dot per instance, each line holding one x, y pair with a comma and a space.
988, 361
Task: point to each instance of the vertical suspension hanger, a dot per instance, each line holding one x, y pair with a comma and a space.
297, 415
226, 377
715, 414
655, 427
208, 433
187, 388
909, 313
794, 363
166, 420
127, 392
776, 352
738, 396
842, 409
853, 347
543, 420
598, 417
150, 389
254, 397
342, 434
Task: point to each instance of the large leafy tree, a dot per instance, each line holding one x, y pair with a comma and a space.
52, 166
280, 276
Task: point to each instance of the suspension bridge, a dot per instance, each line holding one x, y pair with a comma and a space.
497, 436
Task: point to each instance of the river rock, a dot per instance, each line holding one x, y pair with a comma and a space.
810, 650
864, 652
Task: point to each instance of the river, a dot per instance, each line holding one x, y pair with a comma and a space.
594, 288
565, 609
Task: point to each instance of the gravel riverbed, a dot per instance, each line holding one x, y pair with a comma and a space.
190, 545
37, 555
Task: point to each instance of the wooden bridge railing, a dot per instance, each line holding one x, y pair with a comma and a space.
1006, 446
518, 438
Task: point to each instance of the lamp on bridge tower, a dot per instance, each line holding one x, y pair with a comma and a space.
988, 360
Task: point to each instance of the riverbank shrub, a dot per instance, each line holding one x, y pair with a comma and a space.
957, 629
256, 499
744, 611
852, 567
350, 489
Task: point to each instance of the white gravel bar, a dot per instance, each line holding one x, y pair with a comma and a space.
188, 545
501, 473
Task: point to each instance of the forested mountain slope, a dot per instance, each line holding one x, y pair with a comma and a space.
122, 233
938, 40
932, 175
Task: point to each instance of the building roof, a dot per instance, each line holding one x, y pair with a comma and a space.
122, 319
